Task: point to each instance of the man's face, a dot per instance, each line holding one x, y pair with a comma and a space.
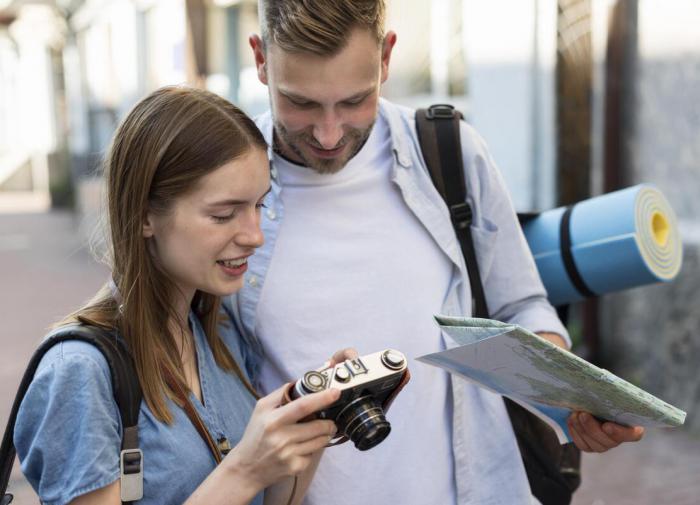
324, 107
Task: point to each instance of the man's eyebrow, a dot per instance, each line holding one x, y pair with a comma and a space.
359, 95
302, 98
231, 202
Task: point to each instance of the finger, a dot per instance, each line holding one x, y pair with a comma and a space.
311, 446
306, 405
274, 399
576, 437
342, 355
301, 432
622, 434
590, 442
593, 429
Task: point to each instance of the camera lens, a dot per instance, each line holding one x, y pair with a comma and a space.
363, 422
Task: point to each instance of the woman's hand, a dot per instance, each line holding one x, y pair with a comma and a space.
275, 444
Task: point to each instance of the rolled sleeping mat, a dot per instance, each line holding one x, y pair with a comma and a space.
612, 242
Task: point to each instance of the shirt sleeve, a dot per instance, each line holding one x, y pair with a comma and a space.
68, 431
512, 285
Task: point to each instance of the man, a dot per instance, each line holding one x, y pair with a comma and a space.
360, 251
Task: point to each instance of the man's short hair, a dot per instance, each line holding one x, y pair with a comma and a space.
318, 26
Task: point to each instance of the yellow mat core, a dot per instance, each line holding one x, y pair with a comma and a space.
660, 228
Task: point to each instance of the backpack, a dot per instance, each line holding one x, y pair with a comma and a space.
127, 394
553, 470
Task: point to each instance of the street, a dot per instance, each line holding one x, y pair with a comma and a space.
46, 273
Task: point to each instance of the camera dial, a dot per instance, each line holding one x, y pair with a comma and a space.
314, 381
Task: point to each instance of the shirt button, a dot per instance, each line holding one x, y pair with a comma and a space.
253, 280
271, 214
273, 172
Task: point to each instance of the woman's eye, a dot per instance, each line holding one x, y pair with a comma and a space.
260, 205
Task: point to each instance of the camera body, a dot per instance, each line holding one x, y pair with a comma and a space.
367, 385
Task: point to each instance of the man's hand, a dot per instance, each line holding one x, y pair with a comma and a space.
591, 435
554, 338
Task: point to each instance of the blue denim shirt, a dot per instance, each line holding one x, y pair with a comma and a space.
68, 431
488, 468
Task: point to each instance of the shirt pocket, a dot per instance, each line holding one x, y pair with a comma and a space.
484, 237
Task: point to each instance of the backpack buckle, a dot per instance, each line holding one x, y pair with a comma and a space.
131, 474
441, 111
461, 214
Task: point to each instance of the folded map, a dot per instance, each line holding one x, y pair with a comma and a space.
544, 378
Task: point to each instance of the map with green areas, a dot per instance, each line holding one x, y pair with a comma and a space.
544, 378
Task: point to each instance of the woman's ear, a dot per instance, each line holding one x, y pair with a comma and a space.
148, 226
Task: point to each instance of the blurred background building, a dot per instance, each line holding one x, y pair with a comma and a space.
574, 97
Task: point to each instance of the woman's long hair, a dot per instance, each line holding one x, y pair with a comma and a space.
163, 147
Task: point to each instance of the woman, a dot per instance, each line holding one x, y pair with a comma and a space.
187, 174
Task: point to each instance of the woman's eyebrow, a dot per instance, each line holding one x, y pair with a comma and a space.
232, 201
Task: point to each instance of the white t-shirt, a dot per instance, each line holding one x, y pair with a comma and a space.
353, 267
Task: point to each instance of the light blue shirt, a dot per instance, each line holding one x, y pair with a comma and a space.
487, 465
68, 432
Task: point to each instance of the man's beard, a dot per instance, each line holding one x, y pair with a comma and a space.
290, 142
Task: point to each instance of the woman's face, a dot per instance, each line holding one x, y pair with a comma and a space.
204, 241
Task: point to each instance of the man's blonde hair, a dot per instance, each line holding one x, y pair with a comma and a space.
318, 26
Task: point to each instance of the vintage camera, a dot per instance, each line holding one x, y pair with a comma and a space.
367, 385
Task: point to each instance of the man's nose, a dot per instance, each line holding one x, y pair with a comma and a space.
329, 130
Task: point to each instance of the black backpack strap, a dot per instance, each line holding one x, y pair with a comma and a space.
127, 394
552, 470
438, 134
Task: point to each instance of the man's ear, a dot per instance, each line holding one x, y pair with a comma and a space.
148, 226
387, 47
256, 44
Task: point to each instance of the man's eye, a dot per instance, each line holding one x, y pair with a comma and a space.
223, 219
354, 103
301, 103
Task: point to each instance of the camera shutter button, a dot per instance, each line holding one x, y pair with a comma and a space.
393, 359
342, 374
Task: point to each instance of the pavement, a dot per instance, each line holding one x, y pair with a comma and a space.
46, 272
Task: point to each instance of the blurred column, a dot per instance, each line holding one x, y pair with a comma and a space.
574, 88
10, 155
620, 93
196, 66
439, 48
38, 34
447, 61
